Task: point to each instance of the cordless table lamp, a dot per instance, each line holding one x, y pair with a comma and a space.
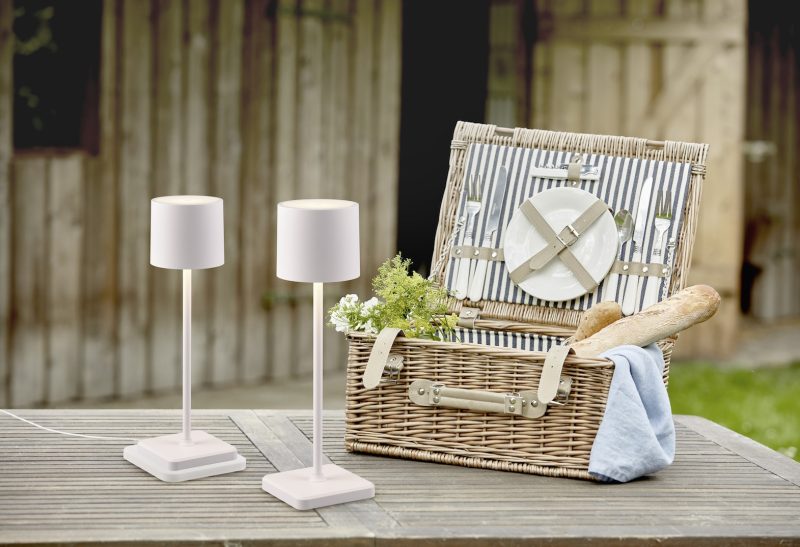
186, 233
318, 243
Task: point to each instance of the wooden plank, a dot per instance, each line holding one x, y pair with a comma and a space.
717, 256
6, 150
226, 168
284, 330
383, 240
501, 107
101, 223
638, 73
197, 164
65, 189
134, 191
565, 27
567, 86
165, 297
77, 494
29, 328
604, 76
362, 188
309, 152
257, 210
337, 132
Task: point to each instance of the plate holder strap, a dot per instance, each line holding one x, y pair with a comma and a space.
558, 245
379, 357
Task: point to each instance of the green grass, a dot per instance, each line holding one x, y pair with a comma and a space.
763, 404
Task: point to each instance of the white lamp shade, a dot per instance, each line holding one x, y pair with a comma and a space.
187, 232
318, 240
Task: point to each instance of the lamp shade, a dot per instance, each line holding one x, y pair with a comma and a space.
318, 240
187, 232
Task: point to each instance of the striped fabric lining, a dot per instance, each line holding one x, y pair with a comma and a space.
618, 187
514, 340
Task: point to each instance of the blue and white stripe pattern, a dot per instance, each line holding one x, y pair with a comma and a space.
620, 179
511, 340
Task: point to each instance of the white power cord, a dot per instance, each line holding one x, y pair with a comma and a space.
66, 432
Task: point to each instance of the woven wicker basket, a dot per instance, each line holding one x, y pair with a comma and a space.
383, 420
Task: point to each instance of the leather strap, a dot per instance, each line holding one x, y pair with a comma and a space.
574, 169
551, 373
379, 356
653, 269
558, 244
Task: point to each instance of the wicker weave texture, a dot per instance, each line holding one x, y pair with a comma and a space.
384, 421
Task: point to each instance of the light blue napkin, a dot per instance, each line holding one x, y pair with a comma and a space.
637, 435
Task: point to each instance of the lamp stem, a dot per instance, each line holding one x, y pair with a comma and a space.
318, 335
187, 356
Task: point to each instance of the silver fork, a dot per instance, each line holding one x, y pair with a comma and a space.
465, 264
662, 223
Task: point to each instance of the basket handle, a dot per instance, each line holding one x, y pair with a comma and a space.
523, 403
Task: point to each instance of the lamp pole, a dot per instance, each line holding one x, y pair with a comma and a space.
316, 474
187, 356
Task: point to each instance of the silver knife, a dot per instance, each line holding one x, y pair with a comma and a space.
642, 208
475, 292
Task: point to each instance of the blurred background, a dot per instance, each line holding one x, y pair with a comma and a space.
107, 103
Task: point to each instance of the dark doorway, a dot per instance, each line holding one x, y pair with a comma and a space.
445, 66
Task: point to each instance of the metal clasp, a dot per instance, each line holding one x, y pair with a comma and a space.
394, 366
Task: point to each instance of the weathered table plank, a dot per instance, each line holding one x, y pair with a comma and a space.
722, 488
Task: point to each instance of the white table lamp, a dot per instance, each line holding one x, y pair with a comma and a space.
186, 233
318, 243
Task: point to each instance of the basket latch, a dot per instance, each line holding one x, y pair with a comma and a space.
381, 360
467, 317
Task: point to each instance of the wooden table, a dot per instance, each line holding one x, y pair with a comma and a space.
722, 488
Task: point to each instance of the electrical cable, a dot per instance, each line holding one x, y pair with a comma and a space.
97, 437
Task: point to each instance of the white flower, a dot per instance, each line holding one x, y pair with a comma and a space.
369, 304
340, 322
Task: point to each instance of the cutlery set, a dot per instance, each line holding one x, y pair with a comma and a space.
628, 278
469, 282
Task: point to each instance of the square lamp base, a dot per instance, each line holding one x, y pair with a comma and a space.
298, 490
171, 460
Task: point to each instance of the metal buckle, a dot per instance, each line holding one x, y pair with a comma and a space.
394, 366
569, 232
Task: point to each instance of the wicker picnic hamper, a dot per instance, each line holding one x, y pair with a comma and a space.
501, 424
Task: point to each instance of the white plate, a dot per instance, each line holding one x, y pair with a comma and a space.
596, 248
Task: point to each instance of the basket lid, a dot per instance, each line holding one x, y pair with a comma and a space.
614, 169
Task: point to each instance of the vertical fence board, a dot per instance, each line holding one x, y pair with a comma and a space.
568, 88
256, 208
637, 66
28, 350
383, 237
65, 182
134, 191
165, 324
100, 225
502, 78
196, 162
309, 153
603, 76
284, 331
6, 149
225, 280
363, 143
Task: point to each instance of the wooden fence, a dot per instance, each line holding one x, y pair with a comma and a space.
661, 69
255, 101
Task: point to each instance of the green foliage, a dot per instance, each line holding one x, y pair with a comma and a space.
762, 404
408, 301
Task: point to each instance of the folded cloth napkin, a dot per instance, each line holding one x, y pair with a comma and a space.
637, 435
